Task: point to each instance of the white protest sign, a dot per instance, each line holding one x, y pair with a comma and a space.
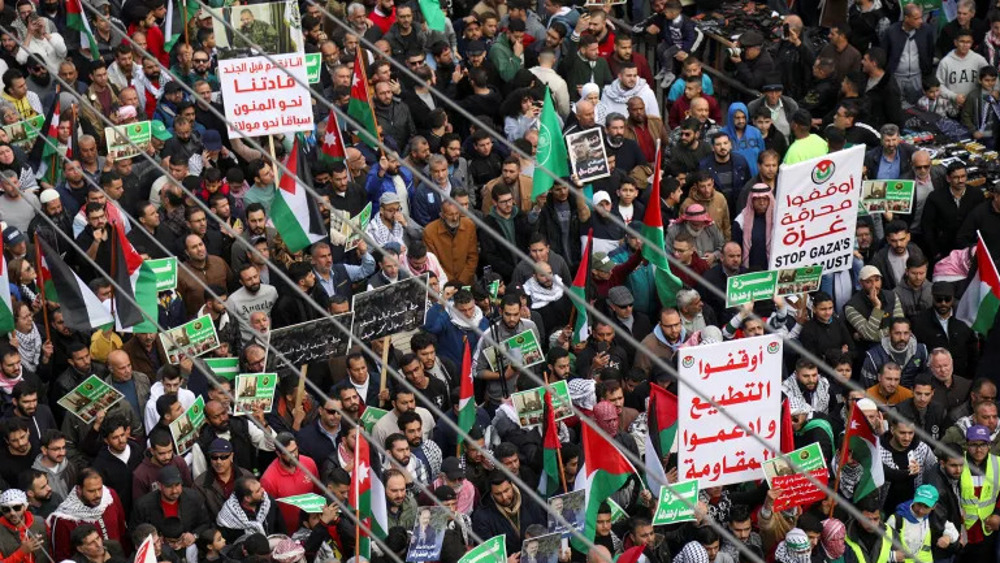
817, 211
262, 99
744, 377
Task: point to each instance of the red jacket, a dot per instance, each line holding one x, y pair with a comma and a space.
11, 535
111, 525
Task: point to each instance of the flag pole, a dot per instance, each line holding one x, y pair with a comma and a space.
184, 17
113, 236
562, 472
357, 497
274, 158
41, 287
840, 462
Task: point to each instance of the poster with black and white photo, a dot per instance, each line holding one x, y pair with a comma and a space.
588, 158
397, 307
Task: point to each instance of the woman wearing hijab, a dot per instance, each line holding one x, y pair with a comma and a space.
10, 160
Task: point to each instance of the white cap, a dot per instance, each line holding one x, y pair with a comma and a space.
601, 196
48, 195
867, 405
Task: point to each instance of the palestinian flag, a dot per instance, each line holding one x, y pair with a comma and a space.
367, 497
632, 555
82, 310
667, 284
78, 20
862, 444
549, 484
360, 106
605, 470
134, 275
979, 305
332, 149
466, 396
175, 21
581, 323
48, 140
294, 211
6, 309
660, 437
115, 218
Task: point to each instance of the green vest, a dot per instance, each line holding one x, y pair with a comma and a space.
884, 552
980, 507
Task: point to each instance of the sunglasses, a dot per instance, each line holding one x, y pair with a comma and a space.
925, 167
15, 508
220, 457
942, 299
201, 60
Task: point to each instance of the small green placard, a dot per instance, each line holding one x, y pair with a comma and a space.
24, 133
226, 368
314, 62
370, 417
676, 503
166, 272
892, 196
747, 288
193, 338
185, 429
254, 389
617, 512
309, 502
530, 405
126, 141
795, 281
89, 398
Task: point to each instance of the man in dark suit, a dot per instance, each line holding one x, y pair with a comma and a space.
929, 328
187, 504
942, 218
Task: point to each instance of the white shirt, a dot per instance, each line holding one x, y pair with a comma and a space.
150, 416
258, 438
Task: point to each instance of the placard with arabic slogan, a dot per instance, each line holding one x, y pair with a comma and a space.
89, 398
676, 503
588, 157
255, 390
743, 377
126, 141
185, 429
895, 196
794, 281
796, 488
192, 338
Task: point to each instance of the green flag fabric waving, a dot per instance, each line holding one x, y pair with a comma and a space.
551, 153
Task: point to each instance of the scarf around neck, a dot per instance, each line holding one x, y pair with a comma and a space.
542, 296
463, 323
30, 346
233, 516
74, 510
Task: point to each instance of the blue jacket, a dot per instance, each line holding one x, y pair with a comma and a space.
751, 143
425, 203
449, 336
672, 32
375, 186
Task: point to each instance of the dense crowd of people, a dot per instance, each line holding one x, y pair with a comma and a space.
451, 190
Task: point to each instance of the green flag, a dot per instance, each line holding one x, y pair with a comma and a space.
551, 153
433, 14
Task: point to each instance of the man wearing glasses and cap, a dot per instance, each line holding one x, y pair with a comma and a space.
19, 529
937, 327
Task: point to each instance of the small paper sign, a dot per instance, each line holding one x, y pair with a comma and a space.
255, 390
747, 288
894, 196
89, 398
676, 503
166, 272
309, 502
314, 64
796, 488
493, 550
370, 417
185, 429
126, 141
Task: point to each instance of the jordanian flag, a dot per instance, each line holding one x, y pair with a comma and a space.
466, 396
605, 470
660, 437
82, 310
862, 444
548, 485
667, 284
367, 497
332, 149
175, 21
294, 212
77, 19
980, 302
6, 310
138, 279
360, 106
581, 323
551, 154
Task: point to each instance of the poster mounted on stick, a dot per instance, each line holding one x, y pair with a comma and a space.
264, 98
313, 340
796, 488
588, 157
744, 378
817, 211
390, 309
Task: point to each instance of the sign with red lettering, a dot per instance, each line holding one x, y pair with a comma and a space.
816, 211
262, 98
796, 476
743, 379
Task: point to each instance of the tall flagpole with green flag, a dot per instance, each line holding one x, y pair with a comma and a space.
551, 154
667, 284
581, 323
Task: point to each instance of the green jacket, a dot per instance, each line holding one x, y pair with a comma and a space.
578, 72
407, 515
503, 58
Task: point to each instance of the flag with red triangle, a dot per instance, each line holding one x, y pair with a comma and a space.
605, 470
6, 307
76, 19
581, 322
360, 106
294, 212
332, 149
549, 483
653, 250
863, 446
466, 395
662, 424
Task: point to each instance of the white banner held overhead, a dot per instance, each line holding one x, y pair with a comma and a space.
262, 99
817, 211
744, 377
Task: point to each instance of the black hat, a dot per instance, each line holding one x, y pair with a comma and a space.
169, 475
172, 87
943, 289
452, 469
751, 38
444, 492
475, 47
516, 24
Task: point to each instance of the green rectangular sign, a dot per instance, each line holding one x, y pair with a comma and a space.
676, 503
747, 288
314, 63
166, 272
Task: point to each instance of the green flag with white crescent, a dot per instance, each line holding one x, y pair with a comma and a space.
551, 154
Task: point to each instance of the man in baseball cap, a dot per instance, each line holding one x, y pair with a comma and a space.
867, 305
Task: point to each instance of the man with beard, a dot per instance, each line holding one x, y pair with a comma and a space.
624, 52
40, 81
18, 455
752, 228
117, 458
629, 85
90, 502
729, 170
292, 308
245, 438
938, 328
708, 238
688, 150
388, 177
626, 152
453, 239
393, 116
548, 298
645, 130
249, 509
456, 324
25, 405
252, 297
150, 85
506, 505
808, 386
73, 187
288, 475
172, 500
730, 264
80, 368
219, 480
425, 201
506, 220
517, 183
42, 501
904, 458
21, 532
900, 347
510, 324
891, 260
424, 451
586, 65
53, 463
